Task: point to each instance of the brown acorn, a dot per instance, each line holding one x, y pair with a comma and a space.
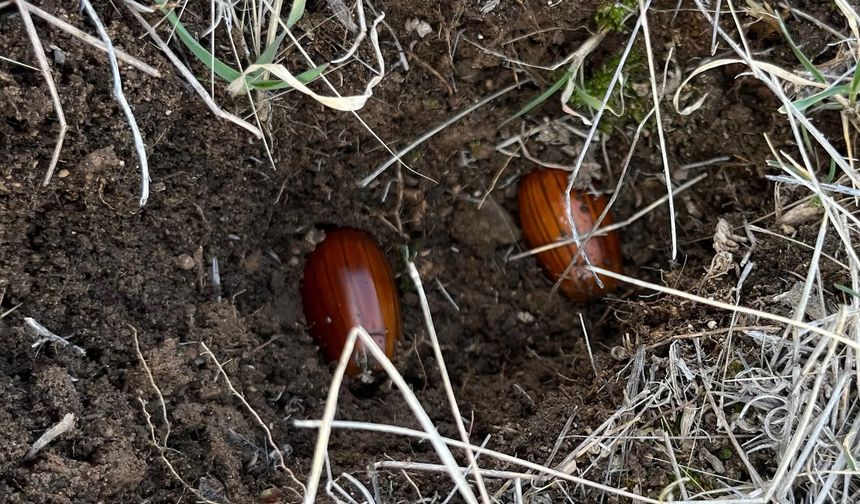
541, 196
347, 283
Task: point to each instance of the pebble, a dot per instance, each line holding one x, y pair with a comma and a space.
485, 229
184, 262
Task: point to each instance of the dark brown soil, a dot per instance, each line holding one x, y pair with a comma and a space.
81, 259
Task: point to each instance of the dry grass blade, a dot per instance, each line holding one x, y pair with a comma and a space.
191, 79
120, 98
729, 307
39, 52
416, 434
429, 134
446, 380
89, 39
325, 425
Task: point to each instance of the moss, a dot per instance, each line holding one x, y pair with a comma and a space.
432, 104
725, 454
590, 93
735, 367
414, 157
612, 15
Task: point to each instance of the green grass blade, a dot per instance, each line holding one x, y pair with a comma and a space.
798, 53
589, 101
296, 12
809, 101
304, 78
847, 290
832, 173
540, 98
270, 52
220, 68
855, 85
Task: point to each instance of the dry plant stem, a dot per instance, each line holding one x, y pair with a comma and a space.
120, 98
588, 345
278, 454
729, 307
643, 16
161, 446
793, 113
446, 380
89, 39
47, 335
192, 80
161, 452
61, 427
422, 466
362, 33
39, 52
375, 39
679, 480
768, 232
495, 181
426, 136
591, 134
325, 425
780, 484
416, 434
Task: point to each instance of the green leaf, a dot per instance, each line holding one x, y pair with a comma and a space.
267, 57
270, 52
809, 101
296, 12
304, 77
541, 97
219, 67
799, 54
847, 290
587, 99
855, 84
832, 173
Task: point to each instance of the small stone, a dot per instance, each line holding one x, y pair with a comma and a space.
185, 262
63, 173
483, 229
314, 237
419, 26
271, 496
712, 324
525, 317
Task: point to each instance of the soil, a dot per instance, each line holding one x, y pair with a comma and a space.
80, 258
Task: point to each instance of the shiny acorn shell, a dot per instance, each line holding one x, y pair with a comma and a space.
543, 219
348, 282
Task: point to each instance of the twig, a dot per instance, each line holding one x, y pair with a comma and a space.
89, 39
191, 79
39, 51
429, 134
120, 97
47, 335
61, 427
446, 380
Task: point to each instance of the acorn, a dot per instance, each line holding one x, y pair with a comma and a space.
347, 283
541, 199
